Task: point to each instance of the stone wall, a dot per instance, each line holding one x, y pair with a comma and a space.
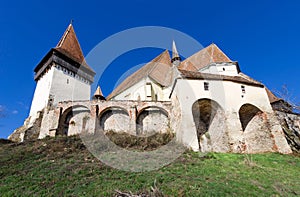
258, 135
215, 129
291, 126
114, 119
215, 138
70, 118
29, 130
152, 120
244, 130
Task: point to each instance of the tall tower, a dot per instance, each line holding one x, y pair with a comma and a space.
62, 75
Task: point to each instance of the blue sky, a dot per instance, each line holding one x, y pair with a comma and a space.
263, 36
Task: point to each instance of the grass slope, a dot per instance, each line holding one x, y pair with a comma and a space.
63, 167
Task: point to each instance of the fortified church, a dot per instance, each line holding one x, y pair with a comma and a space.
205, 100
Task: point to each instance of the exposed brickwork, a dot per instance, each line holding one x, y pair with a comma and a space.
108, 115
291, 126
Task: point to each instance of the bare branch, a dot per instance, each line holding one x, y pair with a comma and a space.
288, 97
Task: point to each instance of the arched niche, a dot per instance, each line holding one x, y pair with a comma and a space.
152, 120
246, 113
210, 124
74, 120
256, 129
114, 119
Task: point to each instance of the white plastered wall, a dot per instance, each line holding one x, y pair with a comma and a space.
41, 93
227, 94
68, 87
228, 69
139, 90
62, 85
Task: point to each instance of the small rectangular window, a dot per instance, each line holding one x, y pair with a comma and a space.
206, 86
243, 89
148, 90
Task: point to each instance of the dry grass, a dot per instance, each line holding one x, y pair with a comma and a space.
62, 166
144, 143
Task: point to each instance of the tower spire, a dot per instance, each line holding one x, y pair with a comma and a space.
70, 45
98, 94
175, 56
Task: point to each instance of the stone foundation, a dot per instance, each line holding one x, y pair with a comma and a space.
29, 131
291, 126
205, 128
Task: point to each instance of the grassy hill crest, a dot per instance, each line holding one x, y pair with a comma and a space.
62, 166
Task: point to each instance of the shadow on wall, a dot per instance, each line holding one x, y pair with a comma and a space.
257, 131
74, 120
246, 113
152, 120
114, 119
209, 119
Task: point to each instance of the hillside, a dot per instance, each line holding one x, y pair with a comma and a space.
63, 167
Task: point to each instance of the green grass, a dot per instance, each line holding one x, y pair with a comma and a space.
63, 167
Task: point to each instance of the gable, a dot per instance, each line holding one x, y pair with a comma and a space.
206, 56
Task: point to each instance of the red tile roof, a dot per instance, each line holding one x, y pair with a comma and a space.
159, 69
69, 46
240, 78
272, 96
69, 49
204, 57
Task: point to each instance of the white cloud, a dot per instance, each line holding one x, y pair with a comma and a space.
15, 112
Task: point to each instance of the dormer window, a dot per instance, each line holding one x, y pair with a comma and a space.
243, 89
206, 86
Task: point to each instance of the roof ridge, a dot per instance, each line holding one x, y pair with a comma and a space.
204, 57
62, 39
70, 46
150, 70
216, 46
243, 75
158, 61
199, 75
69, 43
212, 53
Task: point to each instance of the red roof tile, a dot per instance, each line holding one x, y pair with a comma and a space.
69, 46
208, 76
272, 96
204, 57
159, 69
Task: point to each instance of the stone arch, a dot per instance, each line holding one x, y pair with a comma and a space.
257, 136
74, 120
152, 119
204, 110
115, 119
246, 113
210, 123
